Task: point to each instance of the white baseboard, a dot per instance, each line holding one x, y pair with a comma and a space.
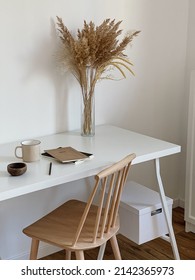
44, 250
178, 202
190, 227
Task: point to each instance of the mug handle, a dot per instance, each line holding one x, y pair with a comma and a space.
18, 147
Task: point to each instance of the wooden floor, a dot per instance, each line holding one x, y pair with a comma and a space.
157, 249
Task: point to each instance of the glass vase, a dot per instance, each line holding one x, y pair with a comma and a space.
88, 115
88, 81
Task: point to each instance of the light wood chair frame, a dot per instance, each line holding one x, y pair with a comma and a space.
109, 184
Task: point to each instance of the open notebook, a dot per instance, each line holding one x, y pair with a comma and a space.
67, 154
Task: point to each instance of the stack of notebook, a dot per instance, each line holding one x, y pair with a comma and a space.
67, 155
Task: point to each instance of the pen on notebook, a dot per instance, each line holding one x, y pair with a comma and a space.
50, 167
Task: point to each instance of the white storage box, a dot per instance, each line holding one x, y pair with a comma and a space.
141, 214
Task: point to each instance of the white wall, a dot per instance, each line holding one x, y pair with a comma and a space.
36, 101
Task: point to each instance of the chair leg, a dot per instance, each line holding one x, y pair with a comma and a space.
79, 255
34, 249
115, 247
68, 254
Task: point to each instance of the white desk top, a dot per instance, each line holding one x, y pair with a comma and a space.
109, 145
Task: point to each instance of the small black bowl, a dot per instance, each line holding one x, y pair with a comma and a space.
17, 168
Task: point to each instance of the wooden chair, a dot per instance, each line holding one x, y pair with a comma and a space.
78, 226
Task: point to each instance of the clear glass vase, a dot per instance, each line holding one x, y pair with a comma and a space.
88, 116
88, 102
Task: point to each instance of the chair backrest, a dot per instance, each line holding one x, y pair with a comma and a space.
109, 184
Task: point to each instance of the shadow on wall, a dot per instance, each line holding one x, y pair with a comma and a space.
45, 62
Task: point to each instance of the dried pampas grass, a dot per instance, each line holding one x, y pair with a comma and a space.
95, 47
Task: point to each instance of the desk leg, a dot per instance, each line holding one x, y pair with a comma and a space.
166, 211
101, 251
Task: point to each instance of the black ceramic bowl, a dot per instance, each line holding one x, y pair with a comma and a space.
17, 168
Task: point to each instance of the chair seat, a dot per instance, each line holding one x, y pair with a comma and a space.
59, 227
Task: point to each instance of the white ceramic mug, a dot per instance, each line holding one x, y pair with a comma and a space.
30, 150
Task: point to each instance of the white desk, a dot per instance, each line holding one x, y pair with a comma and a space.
109, 145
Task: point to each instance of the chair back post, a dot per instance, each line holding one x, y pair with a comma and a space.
122, 182
85, 213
